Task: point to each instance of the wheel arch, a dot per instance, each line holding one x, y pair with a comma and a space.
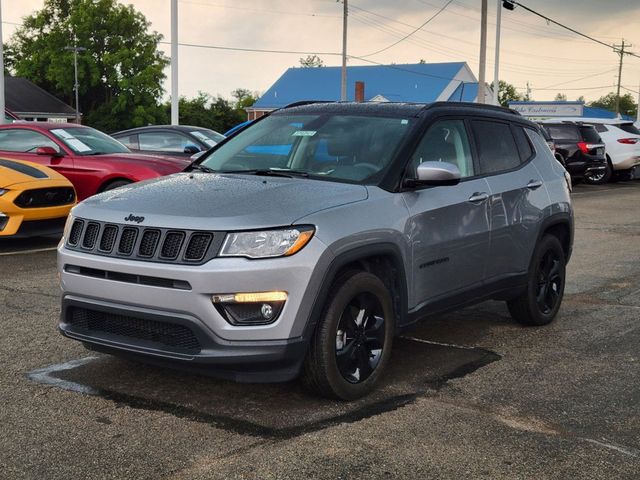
384, 260
561, 226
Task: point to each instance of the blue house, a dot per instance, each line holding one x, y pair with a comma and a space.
420, 82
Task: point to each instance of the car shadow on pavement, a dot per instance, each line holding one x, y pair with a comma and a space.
418, 366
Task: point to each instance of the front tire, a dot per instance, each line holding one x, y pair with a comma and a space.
540, 302
352, 342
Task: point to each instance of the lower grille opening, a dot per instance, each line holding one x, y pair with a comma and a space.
139, 331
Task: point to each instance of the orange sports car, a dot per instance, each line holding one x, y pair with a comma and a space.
34, 200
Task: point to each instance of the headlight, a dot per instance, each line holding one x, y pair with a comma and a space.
67, 227
3, 191
267, 243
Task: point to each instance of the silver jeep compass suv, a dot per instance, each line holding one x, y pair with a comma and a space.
304, 243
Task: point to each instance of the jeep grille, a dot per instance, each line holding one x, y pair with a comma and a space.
151, 244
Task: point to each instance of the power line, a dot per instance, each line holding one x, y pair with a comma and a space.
279, 12
257, 50
578, 79
414, 31
459, 40
613, 47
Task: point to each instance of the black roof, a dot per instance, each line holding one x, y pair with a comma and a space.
395, 109
180, 128
25, 97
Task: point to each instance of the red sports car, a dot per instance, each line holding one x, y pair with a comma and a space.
91, 160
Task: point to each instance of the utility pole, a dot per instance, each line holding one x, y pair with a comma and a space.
483, 52
638, 107
175, 117
2, 108
621, 52
343, 79
76, 86
496, 66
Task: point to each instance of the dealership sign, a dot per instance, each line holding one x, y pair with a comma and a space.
550, 109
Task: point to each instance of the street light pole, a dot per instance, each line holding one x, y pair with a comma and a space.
76, 85
343, 79
496, 66
483, 52
175, 116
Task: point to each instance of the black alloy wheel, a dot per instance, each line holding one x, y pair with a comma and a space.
550, 282
539, 302
360, 338
351, 345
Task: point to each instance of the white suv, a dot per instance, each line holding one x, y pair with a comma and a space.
622, 142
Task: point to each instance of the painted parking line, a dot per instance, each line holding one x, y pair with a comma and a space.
45, 377
26, 252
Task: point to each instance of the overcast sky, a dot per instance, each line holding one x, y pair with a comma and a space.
550, 59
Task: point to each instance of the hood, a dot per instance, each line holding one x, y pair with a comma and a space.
219, 201
14, 172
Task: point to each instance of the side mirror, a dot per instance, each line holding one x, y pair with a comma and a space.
191, 149
48, 151
435, 173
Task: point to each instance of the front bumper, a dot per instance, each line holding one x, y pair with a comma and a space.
268, 361
244, 352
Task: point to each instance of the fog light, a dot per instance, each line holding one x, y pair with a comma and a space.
267, 311
250, 308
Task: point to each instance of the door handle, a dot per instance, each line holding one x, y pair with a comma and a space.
478, 197
533, 184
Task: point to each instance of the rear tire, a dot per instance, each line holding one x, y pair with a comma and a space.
352, 342
540, 302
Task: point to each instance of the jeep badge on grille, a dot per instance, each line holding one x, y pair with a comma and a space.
133, 218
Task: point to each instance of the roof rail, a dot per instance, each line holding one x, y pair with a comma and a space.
305, 102
481, 106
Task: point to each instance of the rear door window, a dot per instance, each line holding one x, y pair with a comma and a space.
497, 148
564, 132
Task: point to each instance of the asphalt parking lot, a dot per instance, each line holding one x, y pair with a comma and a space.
469, 394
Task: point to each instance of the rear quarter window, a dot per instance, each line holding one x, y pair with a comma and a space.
590, 135
629, 128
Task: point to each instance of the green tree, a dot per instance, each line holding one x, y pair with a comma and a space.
580, 99
507, 93
627, 104
560, 97
244, 98
311, 61
120, 73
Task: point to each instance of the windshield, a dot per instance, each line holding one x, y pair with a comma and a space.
208, 137
88, 141
335, 147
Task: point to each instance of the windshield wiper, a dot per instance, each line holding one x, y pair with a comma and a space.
200, 168
93, 153
274, 172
